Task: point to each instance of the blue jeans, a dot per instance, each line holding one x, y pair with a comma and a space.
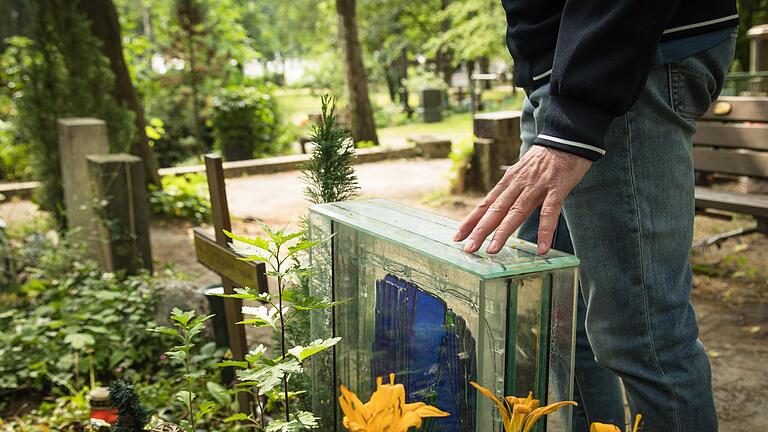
630, 221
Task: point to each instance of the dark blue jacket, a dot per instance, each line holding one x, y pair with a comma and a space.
597, 55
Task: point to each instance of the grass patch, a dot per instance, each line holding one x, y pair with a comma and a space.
297, 101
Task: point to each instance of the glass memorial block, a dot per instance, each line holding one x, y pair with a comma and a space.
420, 307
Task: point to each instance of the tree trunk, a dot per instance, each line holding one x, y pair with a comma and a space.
361, 114
106, 27
403, 77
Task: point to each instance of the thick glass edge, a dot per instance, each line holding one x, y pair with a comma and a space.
334, 212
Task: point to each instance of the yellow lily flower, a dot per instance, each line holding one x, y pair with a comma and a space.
386, 411
602, 427
520, 414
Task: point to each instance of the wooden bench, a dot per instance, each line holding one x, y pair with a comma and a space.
732, 139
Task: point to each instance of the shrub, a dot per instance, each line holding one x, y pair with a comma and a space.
245, 123
461, 156
182, 197
64, 319
422, 78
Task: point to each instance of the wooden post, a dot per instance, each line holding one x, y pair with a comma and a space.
224, 261
122, 212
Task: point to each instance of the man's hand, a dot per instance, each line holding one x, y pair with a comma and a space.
543, 177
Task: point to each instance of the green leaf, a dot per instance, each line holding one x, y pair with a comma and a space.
177, 355
180, 317
245, 293
269, 377
256, 323
164, 330
203, 409
194, 375
256, 258
303, 245
313, 348
79, 341
236, 417
263, 315
219, 393
200, 320
232, 363
300, 421
185, 397
258, 242
255, 354
308, 303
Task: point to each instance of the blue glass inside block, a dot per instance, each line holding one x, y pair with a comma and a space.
429, 348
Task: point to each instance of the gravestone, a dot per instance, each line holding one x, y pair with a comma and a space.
497, 143
437, 317
121, 212
431, 105
215, 254
79, 137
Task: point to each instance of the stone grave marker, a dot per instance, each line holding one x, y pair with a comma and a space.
214, 253
121, 212
79, 137
497, 144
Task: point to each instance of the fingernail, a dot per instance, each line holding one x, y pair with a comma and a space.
469, 246
493, 247
541, 249
457, 236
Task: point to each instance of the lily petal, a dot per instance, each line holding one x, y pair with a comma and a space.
602, 427
430, 411
353, 408
536, 414
502, 409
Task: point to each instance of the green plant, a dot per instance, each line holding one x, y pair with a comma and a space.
261, 375
245, 123
182, 197
68, 412
7, 262
132, 416
65, 317
329, 174
461, 156
188, 326
14, 156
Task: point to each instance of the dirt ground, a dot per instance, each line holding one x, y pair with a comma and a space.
730, 282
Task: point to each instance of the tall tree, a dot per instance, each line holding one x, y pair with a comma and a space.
106, 27
361, 114
64, 75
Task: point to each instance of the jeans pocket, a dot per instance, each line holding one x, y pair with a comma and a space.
696, 81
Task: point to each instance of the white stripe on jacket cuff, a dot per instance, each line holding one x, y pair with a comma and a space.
572, 143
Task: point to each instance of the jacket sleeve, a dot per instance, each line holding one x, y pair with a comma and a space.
605, 51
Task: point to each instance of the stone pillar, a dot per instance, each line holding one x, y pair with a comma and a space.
497, 144
79, 137
119, 185
758, 58
758, 48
